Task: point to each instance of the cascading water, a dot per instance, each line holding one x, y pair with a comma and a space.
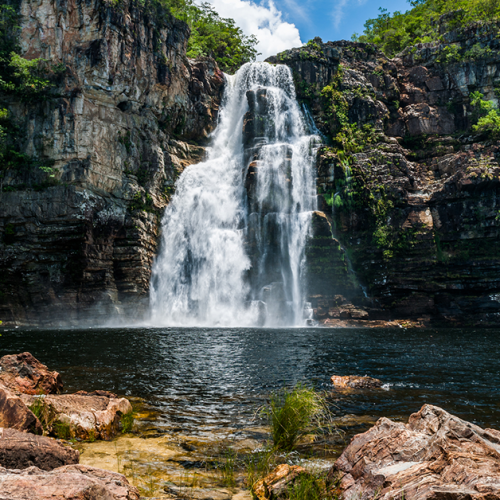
234, 233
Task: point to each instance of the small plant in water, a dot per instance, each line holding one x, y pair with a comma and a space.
227, 468
292, 413
127, 422
307, 487
62, 430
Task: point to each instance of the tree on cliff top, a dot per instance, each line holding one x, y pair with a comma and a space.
214, 36
425, 22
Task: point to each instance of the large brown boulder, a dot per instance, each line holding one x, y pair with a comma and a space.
85, 416
71, 482
435, 456
16, 415
20, 450
23, 373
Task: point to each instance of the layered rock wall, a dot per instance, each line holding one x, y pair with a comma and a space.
128, 114
414, 197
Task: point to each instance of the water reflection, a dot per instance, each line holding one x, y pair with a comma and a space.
208, 378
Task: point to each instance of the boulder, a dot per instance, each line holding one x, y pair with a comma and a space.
435, 456
354, 382
16, 415
85, 416
20, 450
276, 485
75, 482
23, 373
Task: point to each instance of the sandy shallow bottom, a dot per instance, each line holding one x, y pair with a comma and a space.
177, 465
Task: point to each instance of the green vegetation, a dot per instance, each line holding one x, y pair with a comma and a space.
394, 32
488, 123
212, 35
293, 413
127, 422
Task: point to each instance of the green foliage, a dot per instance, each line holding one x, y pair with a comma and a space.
212, 35
488, 123
394, 32
62, 430
307, 487
291, 413
227, 468
127, 422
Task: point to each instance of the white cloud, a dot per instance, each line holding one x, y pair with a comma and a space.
264, 21
338, 11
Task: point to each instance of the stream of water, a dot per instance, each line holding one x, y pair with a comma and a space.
232, 251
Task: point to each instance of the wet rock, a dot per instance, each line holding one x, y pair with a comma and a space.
20, 450
71, 482
15, 414
82, 416
277, 483
435, 456
355, 382
23, 373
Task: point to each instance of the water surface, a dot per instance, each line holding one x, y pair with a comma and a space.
211, 378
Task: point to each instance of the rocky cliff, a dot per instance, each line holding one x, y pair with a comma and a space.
130, 111
410, 192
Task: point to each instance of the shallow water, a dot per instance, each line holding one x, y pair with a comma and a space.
200, 380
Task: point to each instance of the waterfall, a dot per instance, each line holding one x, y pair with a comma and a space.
233, 236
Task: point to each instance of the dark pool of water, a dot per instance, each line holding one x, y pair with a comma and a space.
218, 377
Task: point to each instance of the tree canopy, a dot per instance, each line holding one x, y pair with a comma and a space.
421, 24
214, 36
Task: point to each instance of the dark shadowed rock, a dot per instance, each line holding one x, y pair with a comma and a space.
354, 382
16, 415
435, 456
20, 450
71, 482
23, 373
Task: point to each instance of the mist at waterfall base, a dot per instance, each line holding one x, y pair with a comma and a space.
234, 233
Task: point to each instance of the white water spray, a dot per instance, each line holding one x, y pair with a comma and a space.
234, 233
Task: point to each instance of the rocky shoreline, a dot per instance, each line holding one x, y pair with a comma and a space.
434, 456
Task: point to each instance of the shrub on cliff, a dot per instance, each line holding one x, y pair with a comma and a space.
214, 36
424, 22
488, 122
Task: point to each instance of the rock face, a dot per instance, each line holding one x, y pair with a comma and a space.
71, 482
77, 241
23, 373
20, 450
413, 201
436, 455
83, 416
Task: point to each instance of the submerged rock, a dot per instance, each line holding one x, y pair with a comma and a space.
75, 482
20, 450
354, 382
435, 456
23, 373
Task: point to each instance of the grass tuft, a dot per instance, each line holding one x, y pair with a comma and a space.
292, 413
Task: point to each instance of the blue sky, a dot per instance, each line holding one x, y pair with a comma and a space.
334, 20
283, 24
